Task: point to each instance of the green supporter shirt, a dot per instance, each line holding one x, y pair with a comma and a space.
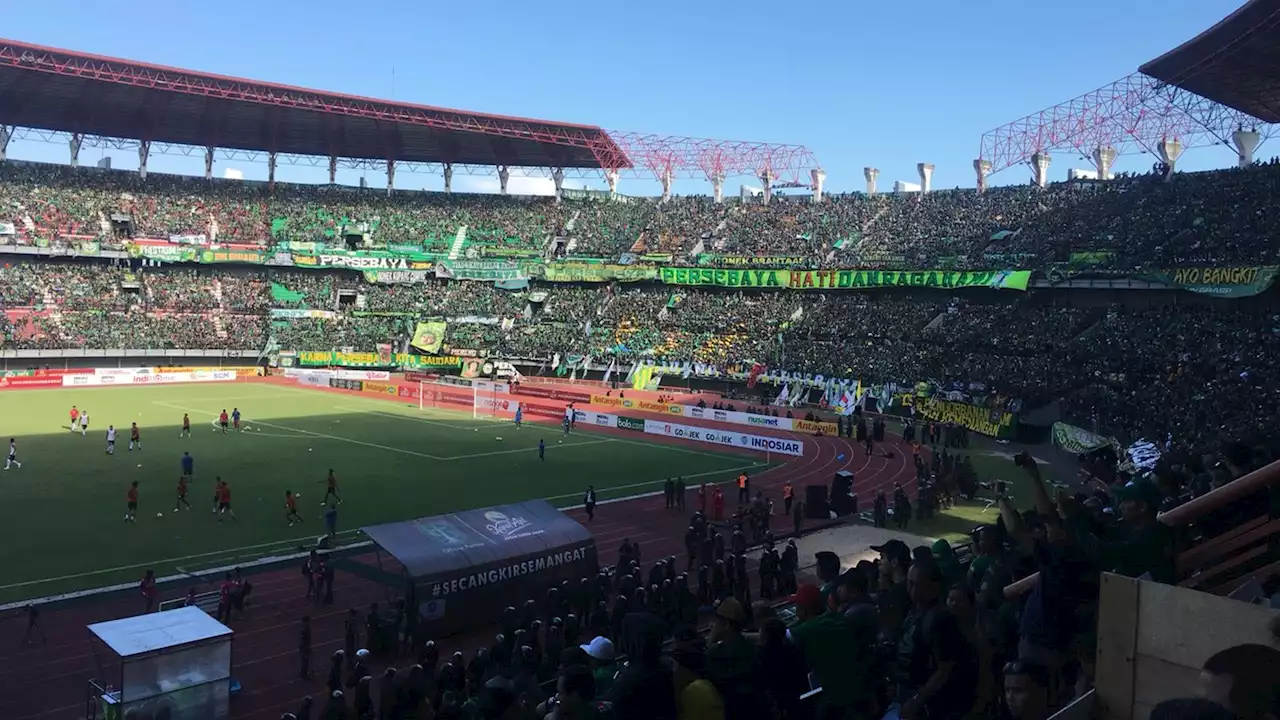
838, 658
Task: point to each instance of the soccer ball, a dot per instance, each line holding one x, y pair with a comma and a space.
139, 464
160, 514
499, 439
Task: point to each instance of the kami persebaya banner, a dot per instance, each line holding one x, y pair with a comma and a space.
847, 279
428, 336
1221, 282
310, 358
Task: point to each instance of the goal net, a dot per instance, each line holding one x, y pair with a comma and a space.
485, 400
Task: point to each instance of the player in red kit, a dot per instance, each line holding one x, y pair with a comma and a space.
222, 420
291, 508
224, 502
186, 426
131, 511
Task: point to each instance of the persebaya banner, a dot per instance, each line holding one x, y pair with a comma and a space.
1222, 282
428, 336
397, 277
364, 260
758, 261
585, 272
995, 423
375, 360
847, 279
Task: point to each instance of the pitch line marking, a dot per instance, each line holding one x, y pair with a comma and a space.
327, 436
106, 571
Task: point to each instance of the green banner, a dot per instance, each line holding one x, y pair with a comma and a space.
402, 249
374, 360
585, 272
364, 260
758, 261
994, 423
165, 253
1220, 282
508, 252
1090, 258
480, 270
397, 277
428, 336
1078, 440
189, 253
626, 423
846, 279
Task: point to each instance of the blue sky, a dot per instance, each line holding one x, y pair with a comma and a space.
885, 84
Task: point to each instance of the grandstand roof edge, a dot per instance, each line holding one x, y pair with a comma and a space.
1188, 46
293, 88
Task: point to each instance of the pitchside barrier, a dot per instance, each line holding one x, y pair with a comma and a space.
501, 400
108, 377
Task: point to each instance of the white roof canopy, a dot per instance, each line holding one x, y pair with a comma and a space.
143, 634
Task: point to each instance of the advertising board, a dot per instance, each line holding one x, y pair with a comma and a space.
147, 378
725, 438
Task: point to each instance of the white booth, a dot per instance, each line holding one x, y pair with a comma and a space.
174, 664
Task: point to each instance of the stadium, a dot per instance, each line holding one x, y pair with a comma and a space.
996, 451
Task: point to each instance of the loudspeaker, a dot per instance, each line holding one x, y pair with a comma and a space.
815, 502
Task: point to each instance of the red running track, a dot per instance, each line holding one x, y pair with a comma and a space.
48, 681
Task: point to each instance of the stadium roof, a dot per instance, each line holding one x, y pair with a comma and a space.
1235, 63
61, 90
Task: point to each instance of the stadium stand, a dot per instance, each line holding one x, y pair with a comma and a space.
1150, 321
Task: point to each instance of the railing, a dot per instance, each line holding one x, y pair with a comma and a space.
1225, 562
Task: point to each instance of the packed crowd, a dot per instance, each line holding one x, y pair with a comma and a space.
1187, 370
917, 633
1208, 218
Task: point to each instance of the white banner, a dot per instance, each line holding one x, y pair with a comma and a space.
724, 438
375, 375
488, 386
315, 378
6, 228
118, 371
148, 378
737, 418
588, 417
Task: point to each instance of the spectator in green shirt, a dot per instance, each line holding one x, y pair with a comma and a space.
839, 659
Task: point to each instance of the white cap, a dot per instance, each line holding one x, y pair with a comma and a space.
600, 648
362, 654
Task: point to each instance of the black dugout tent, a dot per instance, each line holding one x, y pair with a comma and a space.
466, 567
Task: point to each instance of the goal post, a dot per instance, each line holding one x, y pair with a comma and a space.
487, 400
491, 401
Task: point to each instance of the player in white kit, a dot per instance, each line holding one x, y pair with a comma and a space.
111, 439
13, 455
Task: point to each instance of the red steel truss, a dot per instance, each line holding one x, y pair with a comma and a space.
686, 157
1133, 114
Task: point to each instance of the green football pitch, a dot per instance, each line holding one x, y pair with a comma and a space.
64, 526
